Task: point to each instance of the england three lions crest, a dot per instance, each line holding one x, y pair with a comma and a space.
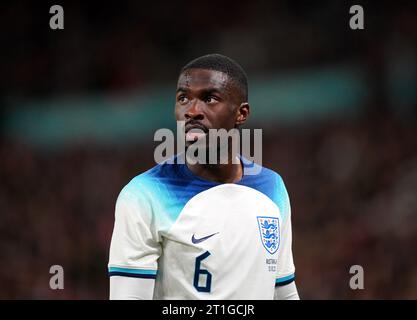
269, 231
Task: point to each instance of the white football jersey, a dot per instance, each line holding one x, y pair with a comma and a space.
204, 240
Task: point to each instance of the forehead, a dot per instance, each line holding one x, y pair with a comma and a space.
203, 78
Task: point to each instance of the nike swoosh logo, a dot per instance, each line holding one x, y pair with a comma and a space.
195, 240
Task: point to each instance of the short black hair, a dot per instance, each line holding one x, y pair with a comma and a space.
219, 62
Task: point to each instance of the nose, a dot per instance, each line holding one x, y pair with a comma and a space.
194, 111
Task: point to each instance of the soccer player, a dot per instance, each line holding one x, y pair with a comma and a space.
204, 231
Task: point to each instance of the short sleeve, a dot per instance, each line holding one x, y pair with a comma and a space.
134, 248
285, 268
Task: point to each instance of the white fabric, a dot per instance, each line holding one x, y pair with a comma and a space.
133, 243
286, 292
127, 288
210, 246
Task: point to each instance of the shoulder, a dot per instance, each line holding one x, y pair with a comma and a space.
276, 183
280, 193
262, 176
271, 184
154, 185
276, 180
148, 181
259, 172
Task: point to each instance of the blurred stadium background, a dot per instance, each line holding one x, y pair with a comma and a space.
79, 107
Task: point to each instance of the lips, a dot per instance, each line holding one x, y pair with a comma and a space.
194, 132
189, 127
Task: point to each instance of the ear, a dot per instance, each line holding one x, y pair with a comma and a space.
242, 113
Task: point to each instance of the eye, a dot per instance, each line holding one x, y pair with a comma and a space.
211, 99
182, 99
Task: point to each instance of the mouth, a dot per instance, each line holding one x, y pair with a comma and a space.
195, 132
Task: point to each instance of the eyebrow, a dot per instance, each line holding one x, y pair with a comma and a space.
205, 90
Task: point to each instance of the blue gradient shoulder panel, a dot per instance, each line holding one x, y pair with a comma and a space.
271, 184
168, 187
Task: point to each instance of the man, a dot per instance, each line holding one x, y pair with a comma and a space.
204, 231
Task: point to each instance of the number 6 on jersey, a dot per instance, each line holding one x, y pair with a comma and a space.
198, 272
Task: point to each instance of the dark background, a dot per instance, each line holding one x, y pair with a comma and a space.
351, 169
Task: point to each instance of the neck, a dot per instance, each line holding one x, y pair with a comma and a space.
223, 173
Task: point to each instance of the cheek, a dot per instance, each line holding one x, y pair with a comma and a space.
225, 119
179, 115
